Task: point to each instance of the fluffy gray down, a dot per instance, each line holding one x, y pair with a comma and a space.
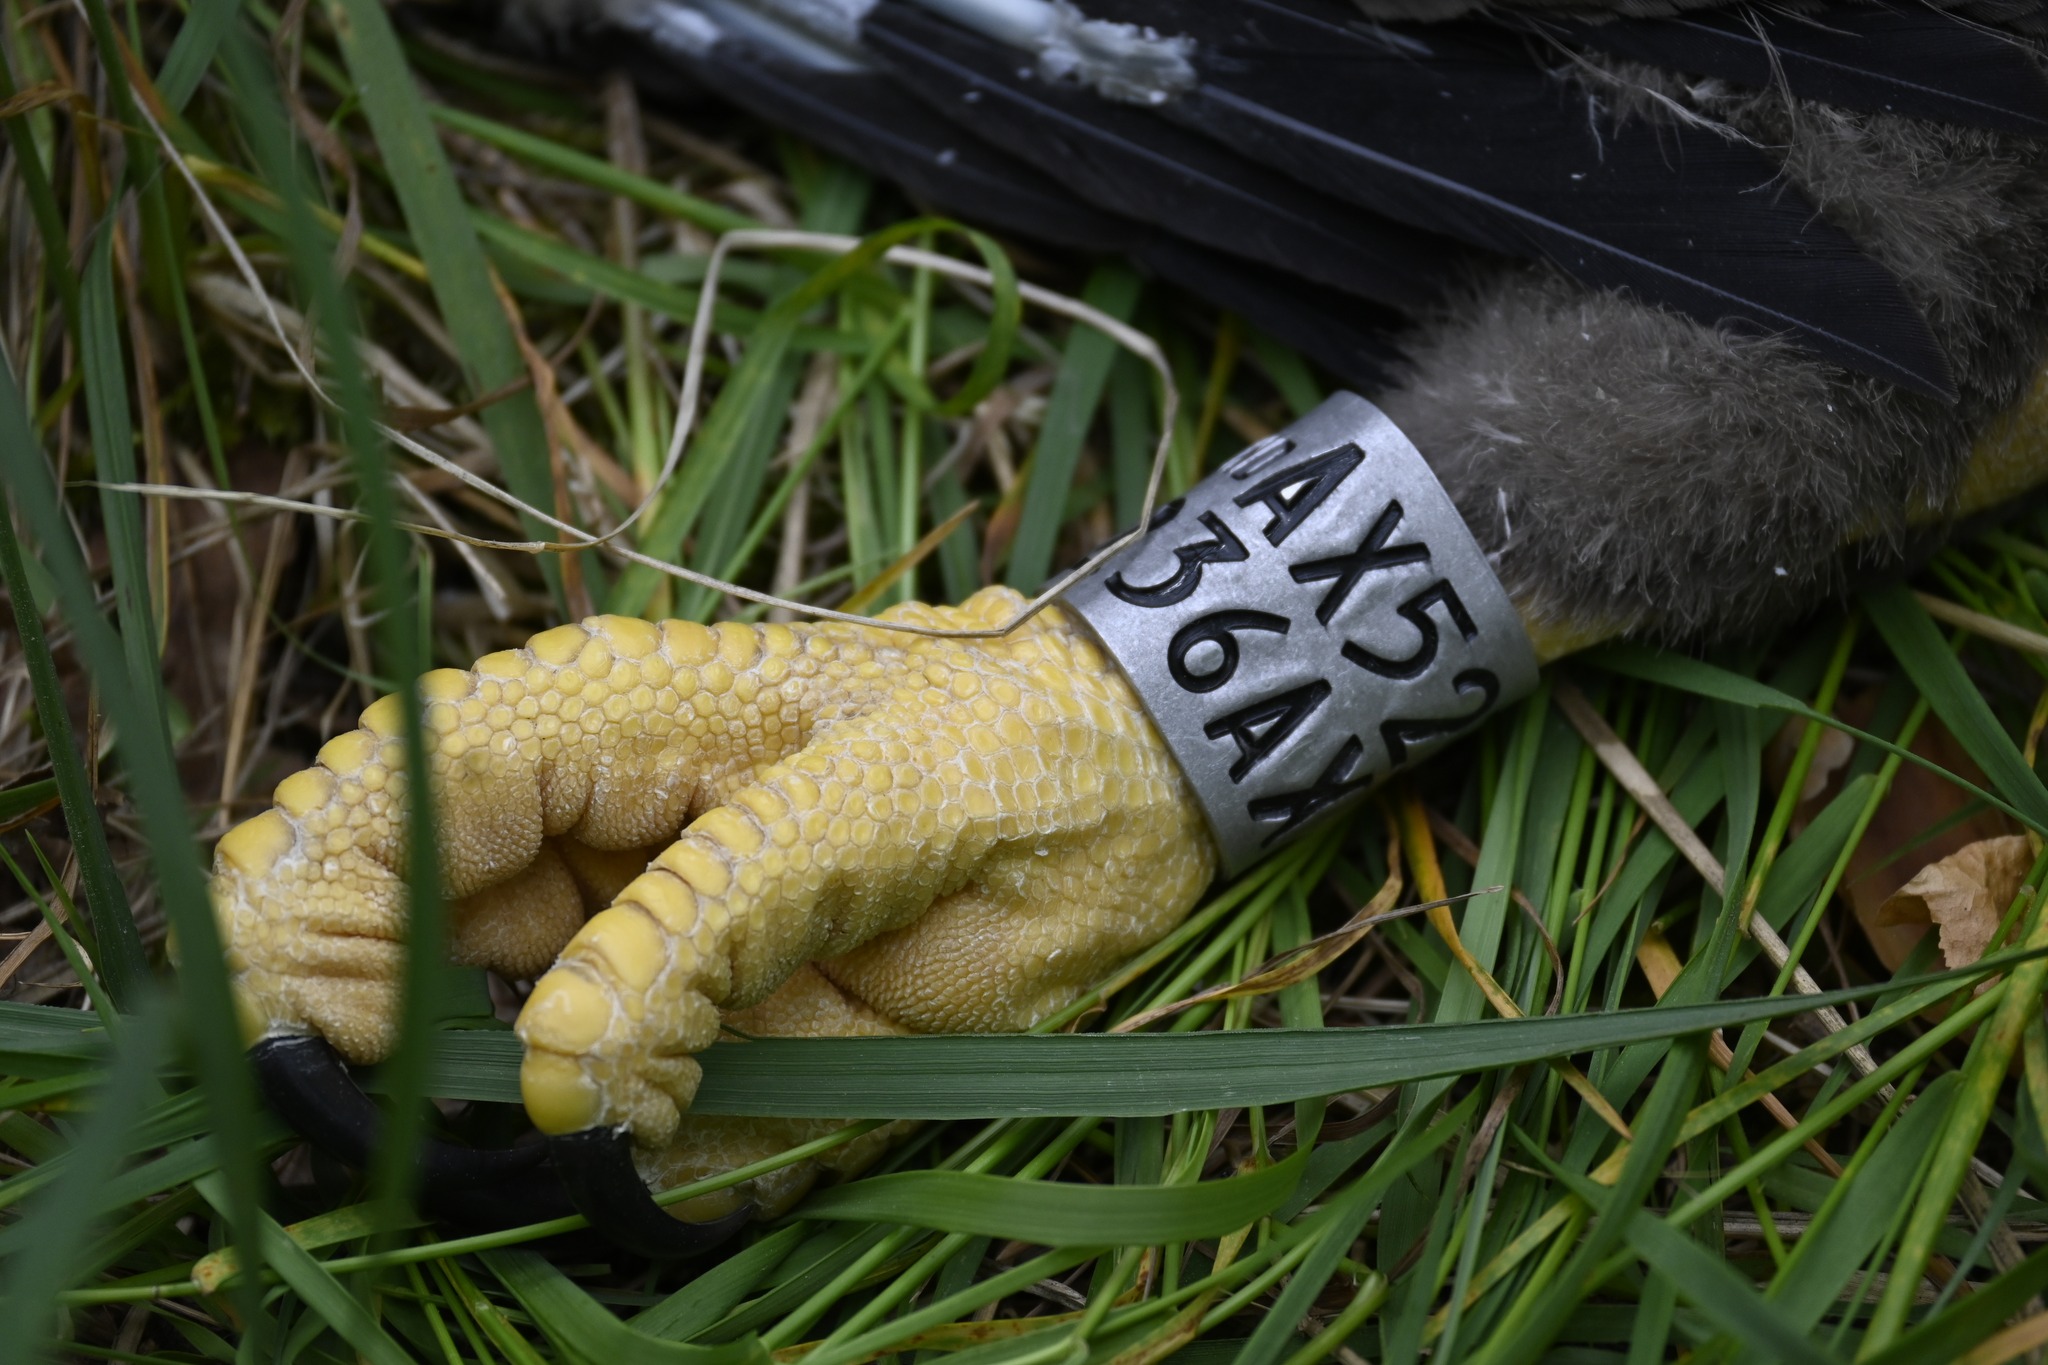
1629, 468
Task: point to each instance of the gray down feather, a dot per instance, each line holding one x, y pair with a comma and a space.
1630, 468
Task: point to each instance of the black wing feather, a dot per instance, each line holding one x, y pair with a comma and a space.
1456, 130
1920, 63
1128, 161
864, 117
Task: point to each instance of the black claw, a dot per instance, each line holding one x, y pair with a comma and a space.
311, 1088
597, 1166
307, 1083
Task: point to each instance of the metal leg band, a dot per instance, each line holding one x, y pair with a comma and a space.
1309, 618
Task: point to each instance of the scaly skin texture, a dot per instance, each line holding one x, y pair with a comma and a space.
958, 834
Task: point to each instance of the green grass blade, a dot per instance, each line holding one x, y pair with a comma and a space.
180, 1165
1703, 679
177, 1123
1935, 670
121, 962
1721, 1294
724, 436
1124, 1075
1951, 1335
1483, 919
267, 129
1109, 1075
745, 471
948, 1308
322, 1293
1343, 1217
726, 428
713, 1294
113, 449
1656, 1127
1839, 1239
1703, 1279
206, 24
1956, 1146
597, 275
447, 242
58, 1224
153, 778
43, 1031
1061, 1215
1084, 372
593, 171
42, 198
578, 1323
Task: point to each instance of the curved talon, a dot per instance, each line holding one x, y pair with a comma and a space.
310, 1087
539, 1199
597, 1166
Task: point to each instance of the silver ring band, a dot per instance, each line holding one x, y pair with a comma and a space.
1308, 619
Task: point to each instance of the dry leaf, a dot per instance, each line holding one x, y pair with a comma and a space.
1917, 802
1965, 895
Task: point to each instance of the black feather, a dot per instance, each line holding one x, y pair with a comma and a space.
1918, 63
864, 117
1456, 129
1129, 161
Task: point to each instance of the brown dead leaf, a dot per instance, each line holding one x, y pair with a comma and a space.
1917, 802
1964, 895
